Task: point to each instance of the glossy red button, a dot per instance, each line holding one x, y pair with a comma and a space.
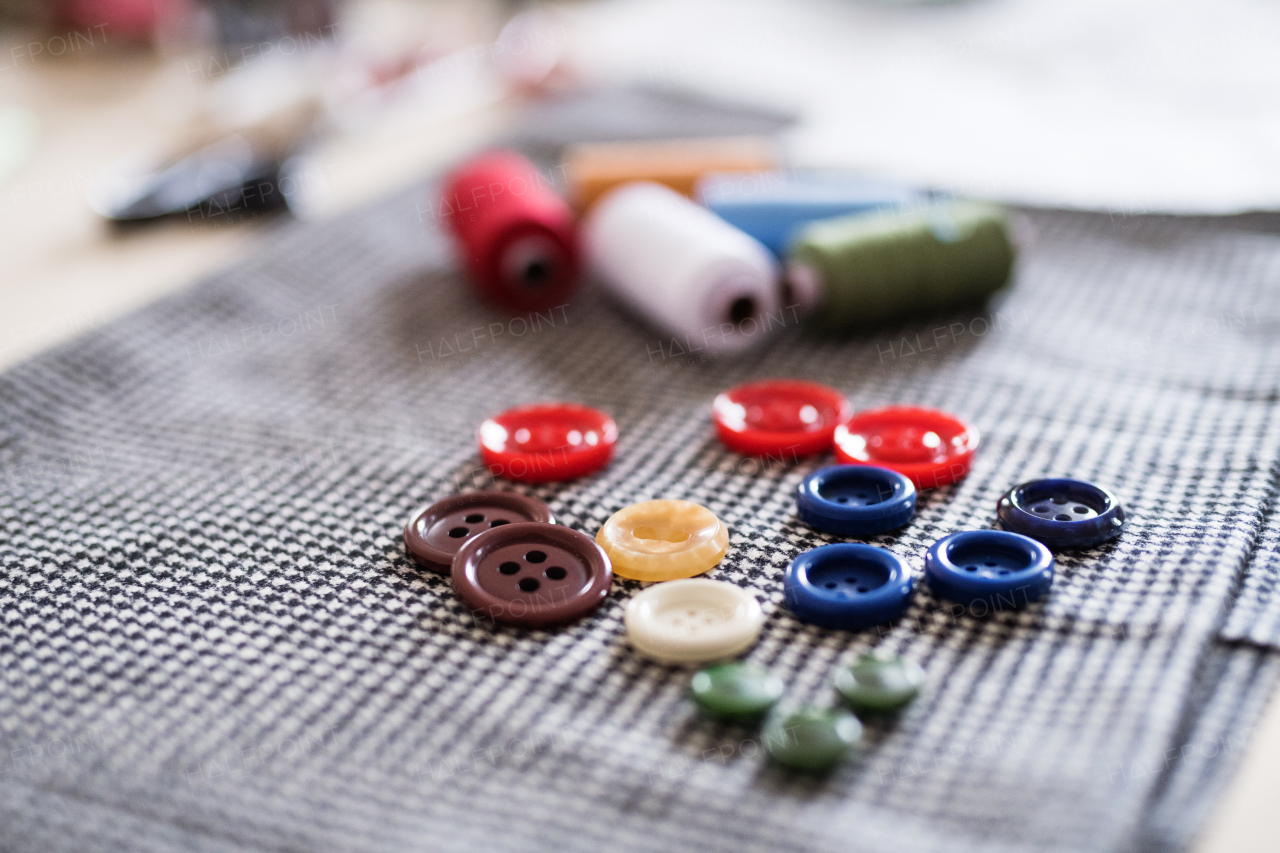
779, 417
531, 575
931, 447
553, 441
437, 532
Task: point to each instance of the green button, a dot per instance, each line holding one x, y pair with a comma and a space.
880, 684
741, 692
811, 738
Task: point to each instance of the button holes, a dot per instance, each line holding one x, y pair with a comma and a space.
535, 557
990, 563
693, 613
458, 532
842, 499
499, 522
556, 573
1041, 508
862, 495
509, 568
830, 586
970, 568
1080, 509
850, 580
862, 589
1003, 572
474, 518
1058, 499
709, 620
1062, 516
529, 584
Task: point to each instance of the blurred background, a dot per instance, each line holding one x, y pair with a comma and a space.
144, 142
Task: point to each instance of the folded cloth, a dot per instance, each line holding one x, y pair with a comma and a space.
213, 639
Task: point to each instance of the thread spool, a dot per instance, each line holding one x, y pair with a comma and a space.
592, 169
516, 236
859, 270
774, 206
701, 280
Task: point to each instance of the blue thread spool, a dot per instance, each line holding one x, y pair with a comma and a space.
774, 206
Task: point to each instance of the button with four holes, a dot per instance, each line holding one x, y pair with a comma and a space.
436, 532
856, 500
813, 739
739, 692
553, 441
1061, 513
880, 684
663, 540
531, 575
695, 620
992, 568
931, 447
782, 418
847, 586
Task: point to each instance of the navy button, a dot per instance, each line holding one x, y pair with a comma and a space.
856, 500
847, 586
1061, 513
997, 569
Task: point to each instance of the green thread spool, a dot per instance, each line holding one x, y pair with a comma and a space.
858, 270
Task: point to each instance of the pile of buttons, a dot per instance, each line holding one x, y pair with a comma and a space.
509, 561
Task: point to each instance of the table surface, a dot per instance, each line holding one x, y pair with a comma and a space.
64, 271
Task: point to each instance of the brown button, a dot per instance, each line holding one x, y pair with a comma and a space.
532, 575
435, 533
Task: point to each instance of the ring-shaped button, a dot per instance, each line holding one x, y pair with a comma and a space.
663, 540
544, 442
879, 685
1061, 513
856, 500
531, 575
992, 568
812, 739
929, 446
783, 418
695, 620
847, 586
435, 533
739, 691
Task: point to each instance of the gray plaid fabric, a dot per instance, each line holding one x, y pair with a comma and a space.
213, 640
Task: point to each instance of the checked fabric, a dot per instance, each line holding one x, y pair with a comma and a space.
212, 639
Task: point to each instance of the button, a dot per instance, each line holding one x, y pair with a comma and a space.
880, 685
693, 621
813, 739
1061, 513
663, 540
552, 441
930, 447
531, 575
992, 568
736, 692
856, 500
783, 418
847, 586
435, 533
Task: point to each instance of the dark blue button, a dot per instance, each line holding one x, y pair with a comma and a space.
992, 568
1061, 513
856, 500
847, 586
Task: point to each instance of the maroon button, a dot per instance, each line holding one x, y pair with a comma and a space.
532, 575
435, 533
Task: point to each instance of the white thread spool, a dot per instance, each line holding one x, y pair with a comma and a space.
689, 272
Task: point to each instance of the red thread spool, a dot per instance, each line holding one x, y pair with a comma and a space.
517, 237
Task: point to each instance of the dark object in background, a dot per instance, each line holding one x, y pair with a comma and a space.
257, 21
517, 237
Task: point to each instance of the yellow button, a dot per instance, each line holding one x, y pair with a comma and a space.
663, 540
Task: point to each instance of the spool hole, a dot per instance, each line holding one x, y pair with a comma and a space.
537, 272
742, 308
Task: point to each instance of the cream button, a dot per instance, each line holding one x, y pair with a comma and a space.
663, 540
695, 620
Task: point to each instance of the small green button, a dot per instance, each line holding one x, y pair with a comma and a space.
741, 692
811, 738
880, 684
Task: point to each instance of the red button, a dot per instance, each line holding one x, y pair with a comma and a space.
531, 575
779, 417
436, 532
553, 441
930, 447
